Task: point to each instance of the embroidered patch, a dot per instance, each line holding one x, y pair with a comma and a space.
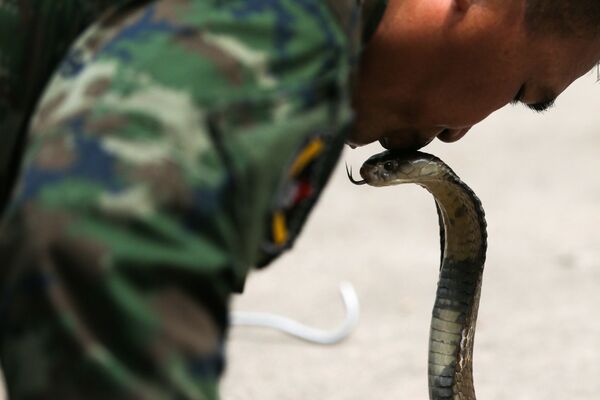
296, 195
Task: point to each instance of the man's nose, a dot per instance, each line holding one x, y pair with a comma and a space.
452, 135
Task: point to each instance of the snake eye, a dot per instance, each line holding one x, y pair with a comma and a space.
388, 166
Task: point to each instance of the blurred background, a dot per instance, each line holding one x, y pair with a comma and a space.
538, 331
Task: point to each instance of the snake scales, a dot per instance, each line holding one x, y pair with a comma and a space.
464, 242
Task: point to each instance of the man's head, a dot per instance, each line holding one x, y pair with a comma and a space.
434, 68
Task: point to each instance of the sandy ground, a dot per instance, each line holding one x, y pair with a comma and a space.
539, 326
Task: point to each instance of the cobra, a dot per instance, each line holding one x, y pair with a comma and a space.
463, 242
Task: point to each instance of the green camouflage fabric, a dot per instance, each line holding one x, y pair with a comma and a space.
153, 153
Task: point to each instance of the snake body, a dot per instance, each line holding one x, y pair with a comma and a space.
464, 243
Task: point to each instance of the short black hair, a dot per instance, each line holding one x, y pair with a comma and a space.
579, 18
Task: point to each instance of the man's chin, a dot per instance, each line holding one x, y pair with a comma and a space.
363, 134
355, 140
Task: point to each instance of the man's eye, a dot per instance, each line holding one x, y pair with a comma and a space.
388, 166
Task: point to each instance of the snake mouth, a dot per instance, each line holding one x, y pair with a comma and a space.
349, 172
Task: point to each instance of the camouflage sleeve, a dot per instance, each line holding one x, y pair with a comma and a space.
34, 36
153, 161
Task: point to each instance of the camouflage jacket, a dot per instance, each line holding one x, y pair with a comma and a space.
297, 150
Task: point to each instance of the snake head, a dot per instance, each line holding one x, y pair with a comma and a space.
394, 167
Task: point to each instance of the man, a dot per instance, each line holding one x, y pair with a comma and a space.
179, 143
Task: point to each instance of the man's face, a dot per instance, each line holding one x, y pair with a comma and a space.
435, 68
